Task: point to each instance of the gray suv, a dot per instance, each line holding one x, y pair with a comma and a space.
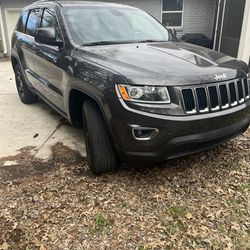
141, 95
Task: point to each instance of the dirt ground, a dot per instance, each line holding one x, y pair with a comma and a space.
197, 202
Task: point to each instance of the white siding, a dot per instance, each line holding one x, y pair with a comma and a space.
1, 39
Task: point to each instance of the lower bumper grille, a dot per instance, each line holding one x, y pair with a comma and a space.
215, 97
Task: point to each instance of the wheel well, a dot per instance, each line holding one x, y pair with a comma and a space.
76, 99
14, 62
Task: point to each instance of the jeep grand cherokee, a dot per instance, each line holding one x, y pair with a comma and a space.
141, 95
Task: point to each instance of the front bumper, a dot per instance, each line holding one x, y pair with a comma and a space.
177, 136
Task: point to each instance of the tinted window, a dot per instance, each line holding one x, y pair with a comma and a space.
49, 20
22, 22
34, 21
172, 19
172, 5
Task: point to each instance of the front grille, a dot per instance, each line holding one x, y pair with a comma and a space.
215, 97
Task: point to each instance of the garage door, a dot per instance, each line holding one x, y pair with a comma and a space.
12, 18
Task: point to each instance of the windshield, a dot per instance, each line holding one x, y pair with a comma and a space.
113, 25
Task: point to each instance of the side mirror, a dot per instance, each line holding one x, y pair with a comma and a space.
47, 36
173, 31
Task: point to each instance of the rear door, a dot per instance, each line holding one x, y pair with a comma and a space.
50, 68
28, 46
19, 36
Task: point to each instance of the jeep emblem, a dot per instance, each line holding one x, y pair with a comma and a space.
220, 77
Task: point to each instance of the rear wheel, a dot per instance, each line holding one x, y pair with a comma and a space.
24, 93
100, 151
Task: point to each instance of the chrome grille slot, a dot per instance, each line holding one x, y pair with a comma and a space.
188, 99
202, 99
246, 89
224, 96
215, 97
233, 95
240, 91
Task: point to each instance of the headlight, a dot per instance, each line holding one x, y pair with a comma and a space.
146, 94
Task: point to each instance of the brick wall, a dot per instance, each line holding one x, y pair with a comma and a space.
198, 17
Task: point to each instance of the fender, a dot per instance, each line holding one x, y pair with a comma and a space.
103, 108
14, 55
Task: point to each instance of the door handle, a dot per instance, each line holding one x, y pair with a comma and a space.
36, 48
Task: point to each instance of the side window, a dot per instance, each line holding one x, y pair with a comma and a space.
49, 20
22, 22
34, 21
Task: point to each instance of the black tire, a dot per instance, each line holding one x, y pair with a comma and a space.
24, 93
100, 151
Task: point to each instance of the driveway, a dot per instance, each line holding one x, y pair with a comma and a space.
34, 126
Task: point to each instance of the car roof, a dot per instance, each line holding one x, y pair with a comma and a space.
80, 3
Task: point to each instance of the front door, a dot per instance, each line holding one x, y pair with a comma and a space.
229, 25
50, 68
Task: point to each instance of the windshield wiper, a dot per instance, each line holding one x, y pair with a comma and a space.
151, 41
101, 43
120, 42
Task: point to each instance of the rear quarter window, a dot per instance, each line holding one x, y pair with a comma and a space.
22, 21
34, 21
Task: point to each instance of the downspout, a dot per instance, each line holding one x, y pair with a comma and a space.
3, 33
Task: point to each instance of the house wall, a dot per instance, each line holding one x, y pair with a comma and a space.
198, 17
1, 39
198, 14
10, 4
151, 6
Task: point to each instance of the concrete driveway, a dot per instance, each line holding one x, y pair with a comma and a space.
36, 126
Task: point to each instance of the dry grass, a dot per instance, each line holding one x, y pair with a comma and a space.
197, 202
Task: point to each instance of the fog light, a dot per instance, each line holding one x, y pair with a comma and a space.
143, 133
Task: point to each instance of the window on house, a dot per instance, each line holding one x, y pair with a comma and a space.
34, 21
172, 13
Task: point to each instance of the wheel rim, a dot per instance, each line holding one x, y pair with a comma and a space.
20, 84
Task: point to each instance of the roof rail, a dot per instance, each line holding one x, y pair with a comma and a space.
41, 1
44, 1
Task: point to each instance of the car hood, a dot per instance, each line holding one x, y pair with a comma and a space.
165, 63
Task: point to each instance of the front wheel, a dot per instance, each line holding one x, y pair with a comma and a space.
100, 150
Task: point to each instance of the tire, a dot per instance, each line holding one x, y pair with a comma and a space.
101, 154
24, 93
